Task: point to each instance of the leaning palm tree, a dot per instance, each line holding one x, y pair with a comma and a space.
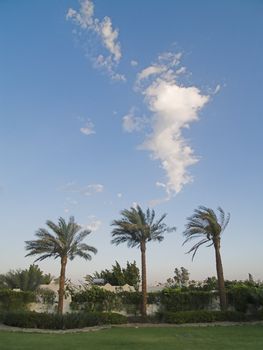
204, 224
65, 243
137, 228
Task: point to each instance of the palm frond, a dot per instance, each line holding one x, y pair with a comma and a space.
205, 225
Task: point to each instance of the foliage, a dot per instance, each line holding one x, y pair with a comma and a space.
200, 316
137, 228
180, 279
119, 276
13, 300
65, 243
206, 226
241, 296
25, 280
56, 321
95, 299
46, 296
175, 300
98, 299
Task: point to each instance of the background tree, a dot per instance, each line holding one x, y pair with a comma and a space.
137, 228
181, 277
118, 276
25, 280
204, 224
65, 243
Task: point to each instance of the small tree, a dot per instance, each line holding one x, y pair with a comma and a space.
137, 228
118, 276
25, 280
65, 243
181, 277
204, 224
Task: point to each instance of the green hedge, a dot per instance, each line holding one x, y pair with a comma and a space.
204, 316
67, 321
176, 300
95, 299
241, 296
13, 300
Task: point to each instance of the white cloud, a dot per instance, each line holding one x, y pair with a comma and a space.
119, 195
181, 70
217, 89
107, 64
151, 70
88, 190
134, 63
132, 123
94, 225
173, 107
91, 189
108, 36
88, 129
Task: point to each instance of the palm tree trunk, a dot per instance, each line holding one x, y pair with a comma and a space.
144, 283
220, 277
62, 284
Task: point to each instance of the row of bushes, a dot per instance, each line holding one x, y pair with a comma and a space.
206, 316
240, 298
67, 321
82, 319
97, 299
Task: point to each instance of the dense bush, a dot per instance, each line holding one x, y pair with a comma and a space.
176, 300
67, 321
241, 296
202, 316
95, 299
15, 300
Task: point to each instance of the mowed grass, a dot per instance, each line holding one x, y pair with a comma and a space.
248, 337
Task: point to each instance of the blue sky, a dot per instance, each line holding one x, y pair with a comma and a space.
109, 103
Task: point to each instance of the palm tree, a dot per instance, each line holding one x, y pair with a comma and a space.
137, 228
206, 225
65, 243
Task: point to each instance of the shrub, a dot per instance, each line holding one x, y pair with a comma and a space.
203, 316
95, 299
46, 296
67, 321
15, 300
176, 300
241, 296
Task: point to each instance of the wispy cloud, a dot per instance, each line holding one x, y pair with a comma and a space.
87, 190
93, 225
217, 89
88, 129
173, 108
130, 122
103, 29
134, 63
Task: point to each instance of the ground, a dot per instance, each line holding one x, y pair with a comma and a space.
245, 337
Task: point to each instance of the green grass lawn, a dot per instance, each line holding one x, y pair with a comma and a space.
187, 338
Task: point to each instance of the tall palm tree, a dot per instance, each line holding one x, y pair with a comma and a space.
204, 224
65, 243
137, 228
